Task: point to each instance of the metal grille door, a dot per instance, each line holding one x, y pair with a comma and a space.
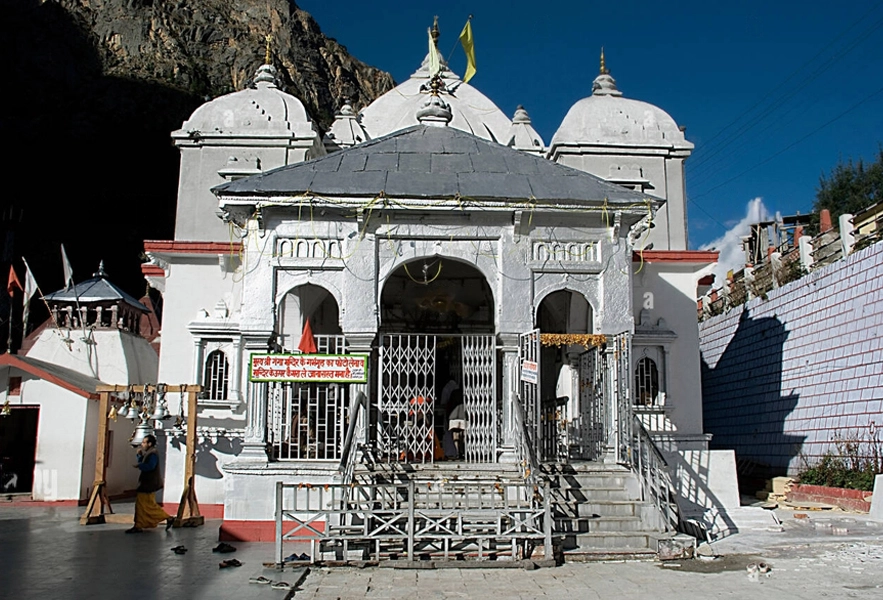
479, 395
620, 373
307, 420
405, 398
529, 384
587, 428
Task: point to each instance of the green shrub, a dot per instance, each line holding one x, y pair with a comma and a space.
853, 464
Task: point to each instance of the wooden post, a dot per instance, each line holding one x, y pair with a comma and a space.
188, 509
98, 500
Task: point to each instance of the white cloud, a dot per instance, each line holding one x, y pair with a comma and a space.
730, 243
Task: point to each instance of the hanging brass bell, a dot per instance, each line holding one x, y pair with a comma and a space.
141, 431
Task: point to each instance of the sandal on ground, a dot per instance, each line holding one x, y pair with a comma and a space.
224, 548
229, 563
179, 549
260, 579
282, 585
135, 530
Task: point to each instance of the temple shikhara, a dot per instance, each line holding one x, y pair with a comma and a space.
431, 311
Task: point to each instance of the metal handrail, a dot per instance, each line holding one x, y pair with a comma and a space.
652, 469
530, 466
347, 466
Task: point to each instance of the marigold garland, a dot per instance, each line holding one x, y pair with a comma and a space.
568, 339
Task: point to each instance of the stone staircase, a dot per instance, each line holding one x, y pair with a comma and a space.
598, 513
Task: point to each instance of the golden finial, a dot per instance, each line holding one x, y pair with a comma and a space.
604, 70
435, 31
269, 40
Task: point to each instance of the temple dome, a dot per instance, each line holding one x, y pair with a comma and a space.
607, 118
471, 110
262, 111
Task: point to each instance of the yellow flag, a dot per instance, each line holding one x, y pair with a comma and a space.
434, 58
469, 49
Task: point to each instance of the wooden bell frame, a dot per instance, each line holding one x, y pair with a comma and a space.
99, 504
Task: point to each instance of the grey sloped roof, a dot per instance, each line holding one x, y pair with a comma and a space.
433, 162
67, 378
97, 289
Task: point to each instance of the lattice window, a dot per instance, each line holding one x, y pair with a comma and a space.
646, 382
216, 376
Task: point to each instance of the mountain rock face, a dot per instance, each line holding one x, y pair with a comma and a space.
211, 47
93, 90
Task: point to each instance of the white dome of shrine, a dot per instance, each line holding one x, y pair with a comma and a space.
606, 117
471, 110
262, 111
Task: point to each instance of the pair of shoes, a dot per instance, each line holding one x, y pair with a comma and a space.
261, 579
179, 549
170, 522
281, 585
229, 563
224, 548
295, 557
135, 530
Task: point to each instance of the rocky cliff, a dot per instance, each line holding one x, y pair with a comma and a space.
212, 47
93, 90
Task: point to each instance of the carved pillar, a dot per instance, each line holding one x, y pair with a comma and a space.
362, 343
254, 447
236, 371
198, 359
509, 360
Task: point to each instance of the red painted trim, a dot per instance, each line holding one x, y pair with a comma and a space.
179, 247
149, 270
11, 360
707, 280
254, 531
40, 503
676, 256
853, 500
209, 511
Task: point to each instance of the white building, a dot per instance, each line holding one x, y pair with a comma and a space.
49, 435
442, 240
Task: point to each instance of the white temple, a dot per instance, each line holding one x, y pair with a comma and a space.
429, 237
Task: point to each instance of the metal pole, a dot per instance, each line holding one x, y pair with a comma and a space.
279, 523
547, 520
411, 493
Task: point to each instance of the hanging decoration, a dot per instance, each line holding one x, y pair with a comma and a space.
573, 339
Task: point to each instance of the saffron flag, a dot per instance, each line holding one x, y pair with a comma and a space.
469, 48
307, 343
13, 282
434, 58
68, 271
30, 289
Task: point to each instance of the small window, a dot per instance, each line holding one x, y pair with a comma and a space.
646, 383
15, 386
216, 374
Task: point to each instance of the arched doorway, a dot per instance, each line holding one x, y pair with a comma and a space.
307, 420
437, 394
571, 412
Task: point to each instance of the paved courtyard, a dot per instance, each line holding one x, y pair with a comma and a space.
45, 553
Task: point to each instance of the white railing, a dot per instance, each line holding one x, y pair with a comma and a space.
443, 519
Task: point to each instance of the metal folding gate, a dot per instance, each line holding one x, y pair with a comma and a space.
408, 385
603, 417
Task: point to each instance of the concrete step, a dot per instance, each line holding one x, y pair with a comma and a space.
599, 524
616, 508
608, 540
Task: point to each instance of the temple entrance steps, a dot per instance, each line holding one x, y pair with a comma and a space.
597, 509
599, 513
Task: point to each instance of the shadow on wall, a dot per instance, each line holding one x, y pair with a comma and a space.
743, 404
207, 450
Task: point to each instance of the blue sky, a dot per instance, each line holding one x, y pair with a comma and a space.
773, 94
